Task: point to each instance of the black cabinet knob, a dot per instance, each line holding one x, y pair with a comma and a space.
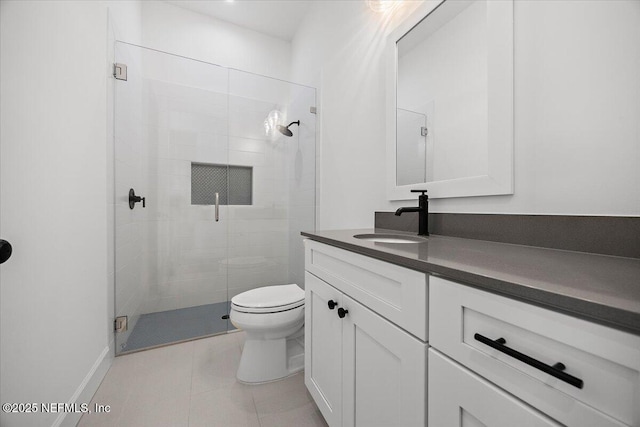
5, 250
342, 312
332, 304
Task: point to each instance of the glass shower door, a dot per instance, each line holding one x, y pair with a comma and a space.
171, 150
210, 197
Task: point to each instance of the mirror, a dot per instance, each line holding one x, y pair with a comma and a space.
450, 100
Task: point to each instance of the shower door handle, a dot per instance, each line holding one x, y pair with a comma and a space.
133, 199
217, 207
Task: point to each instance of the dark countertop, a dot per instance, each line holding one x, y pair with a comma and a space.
600, 288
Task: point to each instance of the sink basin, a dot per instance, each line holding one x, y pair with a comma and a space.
390, 238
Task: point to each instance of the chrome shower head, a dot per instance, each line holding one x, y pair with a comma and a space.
285, 130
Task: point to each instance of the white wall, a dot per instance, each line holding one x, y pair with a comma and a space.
125, 17
577, 141
53, 204
176, 30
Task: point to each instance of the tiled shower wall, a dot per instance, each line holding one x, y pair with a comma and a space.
172, 254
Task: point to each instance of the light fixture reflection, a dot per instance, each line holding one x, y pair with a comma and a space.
274, 118
383, 6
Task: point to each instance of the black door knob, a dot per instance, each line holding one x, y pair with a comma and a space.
332, 304
5, 250
342, 312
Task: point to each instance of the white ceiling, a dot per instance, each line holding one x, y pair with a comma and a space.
277, 18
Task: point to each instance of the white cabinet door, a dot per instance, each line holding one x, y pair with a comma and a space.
460, 398
384, 371
323, 348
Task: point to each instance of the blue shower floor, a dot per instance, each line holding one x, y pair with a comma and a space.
166, 327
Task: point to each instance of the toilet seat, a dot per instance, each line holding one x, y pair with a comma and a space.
269, 299
258, 310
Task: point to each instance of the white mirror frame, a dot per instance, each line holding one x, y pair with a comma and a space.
499, 177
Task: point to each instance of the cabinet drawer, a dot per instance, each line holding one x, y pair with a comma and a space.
396, 293
459, 398
607, 361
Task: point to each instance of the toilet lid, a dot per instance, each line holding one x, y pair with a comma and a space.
270, 297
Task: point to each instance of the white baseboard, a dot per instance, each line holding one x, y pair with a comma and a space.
85, 391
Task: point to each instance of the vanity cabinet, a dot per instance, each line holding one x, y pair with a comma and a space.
362, 368
390, 346
493, 352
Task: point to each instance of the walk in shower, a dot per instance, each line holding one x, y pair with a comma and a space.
210, 197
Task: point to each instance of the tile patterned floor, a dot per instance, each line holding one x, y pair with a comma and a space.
193, 384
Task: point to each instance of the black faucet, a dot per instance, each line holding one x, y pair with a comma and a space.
422, 209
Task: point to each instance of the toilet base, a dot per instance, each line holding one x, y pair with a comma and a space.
270, 360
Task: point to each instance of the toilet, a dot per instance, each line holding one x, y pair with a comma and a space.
273, 319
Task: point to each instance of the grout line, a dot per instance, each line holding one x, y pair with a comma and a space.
255, 409
193, 357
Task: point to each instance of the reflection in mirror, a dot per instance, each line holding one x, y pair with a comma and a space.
412, 147
450, 100
442, 86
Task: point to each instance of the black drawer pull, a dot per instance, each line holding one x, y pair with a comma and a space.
332, 304
555, 370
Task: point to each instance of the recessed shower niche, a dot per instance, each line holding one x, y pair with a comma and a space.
184, 131
209, 180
